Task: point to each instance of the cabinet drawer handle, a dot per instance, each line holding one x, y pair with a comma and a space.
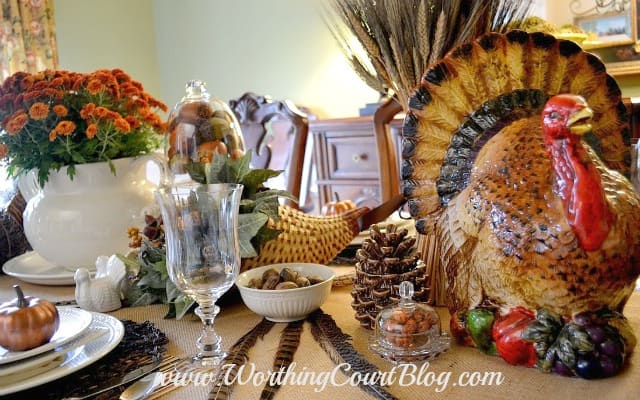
359, 157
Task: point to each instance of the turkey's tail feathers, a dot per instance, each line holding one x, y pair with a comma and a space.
479, 87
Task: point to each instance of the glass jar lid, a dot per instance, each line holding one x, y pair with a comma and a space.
200, 125
409, 331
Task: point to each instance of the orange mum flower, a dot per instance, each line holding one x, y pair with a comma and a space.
5, 100
153, 119
60, 110
17, 101
52, 92
54, 104
129, 90
133, 122
27, 82
120, 75
87, 110
101, 112
39, 111
157, 103
16, 123
57, 82
65, 128
92, 129
94, 86
122, 125
30, 95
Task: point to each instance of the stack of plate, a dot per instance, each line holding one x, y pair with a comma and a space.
82, 338
31, 267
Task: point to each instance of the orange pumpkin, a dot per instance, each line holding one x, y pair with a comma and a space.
338, 207
27, 322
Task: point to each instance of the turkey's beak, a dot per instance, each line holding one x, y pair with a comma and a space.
579, 122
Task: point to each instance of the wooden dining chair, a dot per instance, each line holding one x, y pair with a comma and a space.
389, 148
277, 133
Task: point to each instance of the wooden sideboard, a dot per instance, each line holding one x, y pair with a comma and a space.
346, 159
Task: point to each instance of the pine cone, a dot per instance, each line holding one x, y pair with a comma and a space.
385, 260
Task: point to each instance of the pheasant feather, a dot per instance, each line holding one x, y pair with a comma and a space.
238, 356
337, 345
289, 342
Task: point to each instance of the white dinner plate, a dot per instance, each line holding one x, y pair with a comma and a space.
74, 360
57, 354
73, 321
31, 267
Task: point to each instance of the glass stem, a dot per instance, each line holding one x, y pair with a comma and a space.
209, 341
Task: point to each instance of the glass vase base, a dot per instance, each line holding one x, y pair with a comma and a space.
201, 364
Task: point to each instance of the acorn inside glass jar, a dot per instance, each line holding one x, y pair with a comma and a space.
200, 125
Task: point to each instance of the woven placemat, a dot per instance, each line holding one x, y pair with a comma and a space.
140, 345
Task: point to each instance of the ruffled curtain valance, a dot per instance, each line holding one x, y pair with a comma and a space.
27, 36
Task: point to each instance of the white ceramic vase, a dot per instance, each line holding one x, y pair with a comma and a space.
72, 222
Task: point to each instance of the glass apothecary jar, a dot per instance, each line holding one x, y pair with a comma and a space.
199, 126
408, 331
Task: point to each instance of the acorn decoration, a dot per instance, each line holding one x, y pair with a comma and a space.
386, 259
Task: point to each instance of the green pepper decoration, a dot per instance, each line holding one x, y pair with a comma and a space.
479, 323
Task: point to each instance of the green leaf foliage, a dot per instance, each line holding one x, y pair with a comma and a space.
248, 227
258, 205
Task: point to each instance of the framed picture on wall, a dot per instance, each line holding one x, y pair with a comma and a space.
615, 38
610, 29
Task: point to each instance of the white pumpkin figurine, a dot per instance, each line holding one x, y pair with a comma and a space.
104, 292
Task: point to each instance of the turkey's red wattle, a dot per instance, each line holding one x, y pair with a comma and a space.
578, 183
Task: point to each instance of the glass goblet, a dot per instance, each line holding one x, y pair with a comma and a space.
202, 252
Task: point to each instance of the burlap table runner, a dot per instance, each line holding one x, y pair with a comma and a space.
461, 364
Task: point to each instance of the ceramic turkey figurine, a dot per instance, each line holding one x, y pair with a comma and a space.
517, 179
103, 292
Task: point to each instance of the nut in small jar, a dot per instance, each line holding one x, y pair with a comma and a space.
409, 331
408, 327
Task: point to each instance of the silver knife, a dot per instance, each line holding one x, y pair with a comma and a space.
115, 382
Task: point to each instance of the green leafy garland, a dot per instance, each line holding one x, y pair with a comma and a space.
258, 204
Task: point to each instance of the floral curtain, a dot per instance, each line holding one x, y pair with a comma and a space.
27, 36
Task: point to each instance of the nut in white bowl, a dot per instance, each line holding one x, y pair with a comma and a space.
286, 305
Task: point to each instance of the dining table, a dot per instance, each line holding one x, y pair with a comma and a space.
459, 373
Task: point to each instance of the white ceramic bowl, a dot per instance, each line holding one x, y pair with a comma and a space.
288, 304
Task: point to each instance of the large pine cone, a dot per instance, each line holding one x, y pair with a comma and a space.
385, 260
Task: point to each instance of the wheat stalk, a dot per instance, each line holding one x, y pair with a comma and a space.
400, 38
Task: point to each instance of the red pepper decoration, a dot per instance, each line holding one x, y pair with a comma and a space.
507, 333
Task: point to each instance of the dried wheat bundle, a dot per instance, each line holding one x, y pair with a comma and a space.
397, 39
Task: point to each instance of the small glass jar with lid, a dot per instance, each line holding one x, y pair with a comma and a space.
200, 125
408, 331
